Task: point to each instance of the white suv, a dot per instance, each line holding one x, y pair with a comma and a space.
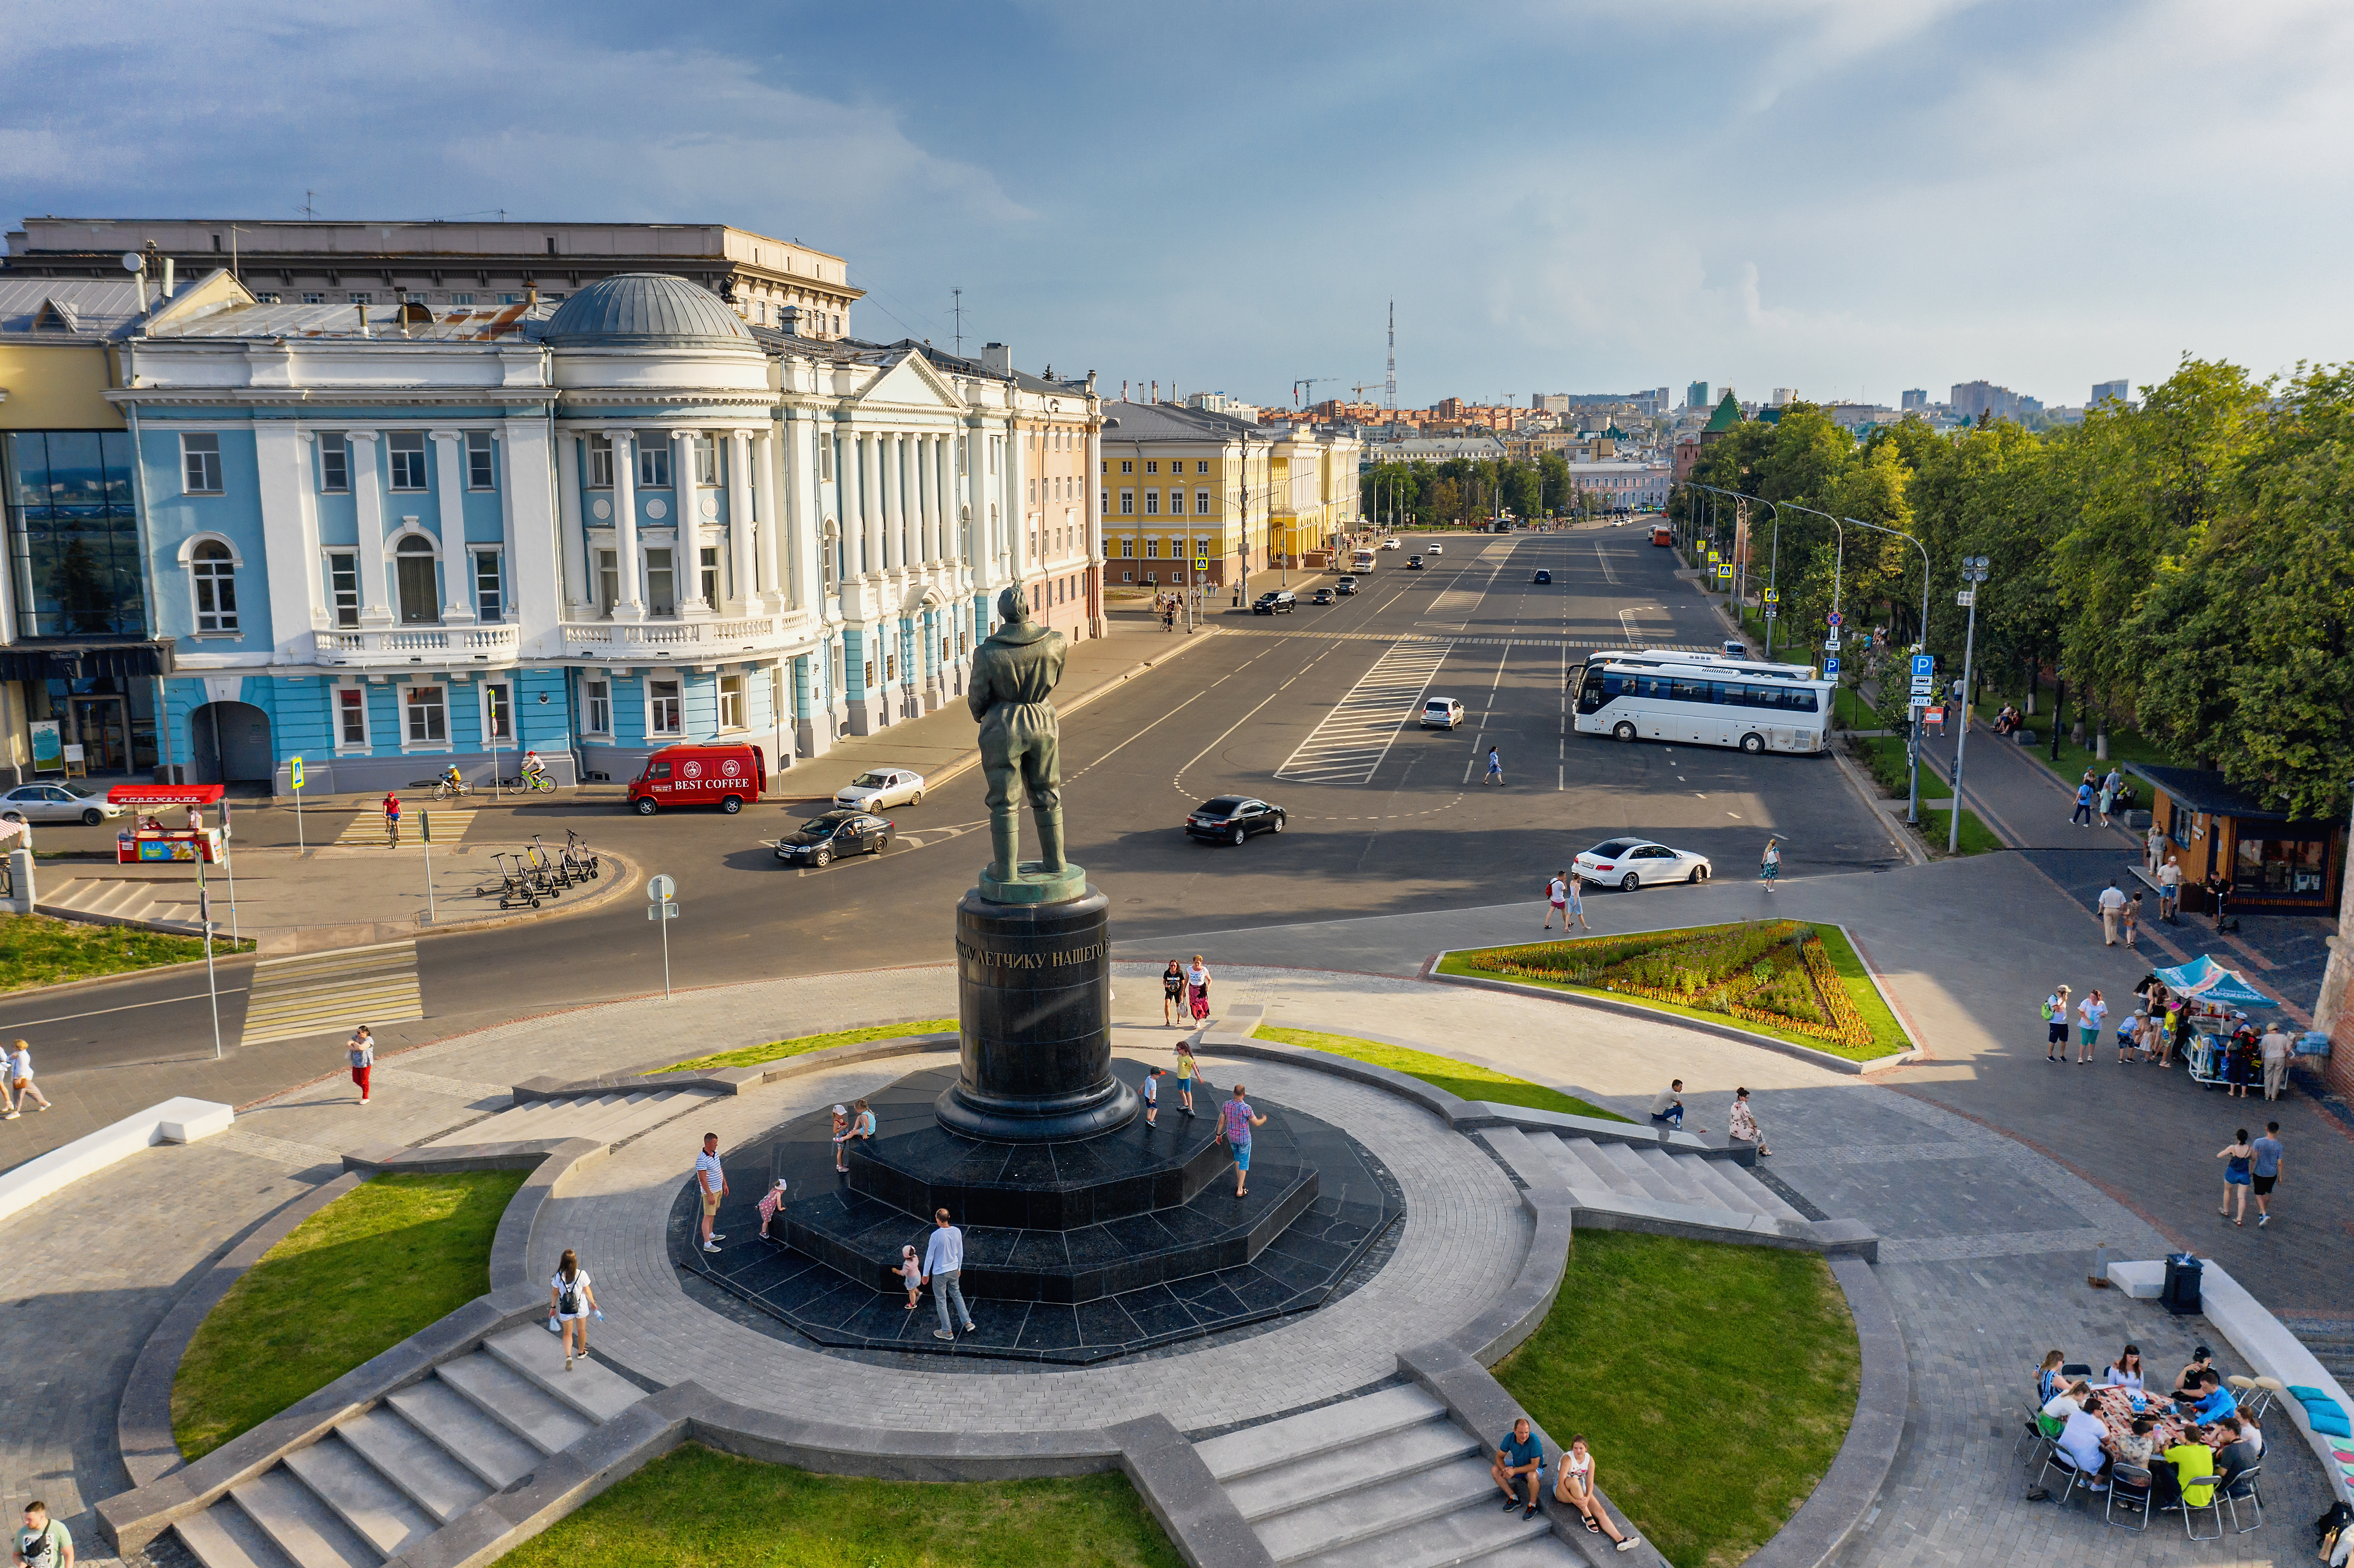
1442, 712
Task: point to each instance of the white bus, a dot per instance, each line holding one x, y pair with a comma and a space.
1703, 700
1362, 561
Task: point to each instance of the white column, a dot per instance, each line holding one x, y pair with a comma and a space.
870, 502
291, 565
367, 499
766, 517
450, 501
928, 502
1017, 501
577, 594
686, 556
539, 559
632, 605
891, 450
805, 513
746, 600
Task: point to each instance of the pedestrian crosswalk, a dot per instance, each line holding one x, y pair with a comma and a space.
1352, 740
368, 829
1596, 645
320, 994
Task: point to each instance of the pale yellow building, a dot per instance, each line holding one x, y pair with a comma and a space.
1194, 497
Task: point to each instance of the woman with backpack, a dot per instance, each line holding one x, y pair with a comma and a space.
571, 1301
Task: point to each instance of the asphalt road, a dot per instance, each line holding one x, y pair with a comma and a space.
1402, 825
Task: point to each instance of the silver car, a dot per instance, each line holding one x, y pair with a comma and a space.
56, 803
880, 787
1630, 863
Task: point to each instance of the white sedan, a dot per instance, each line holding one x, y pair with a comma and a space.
56, 803
1632, 862
880, 787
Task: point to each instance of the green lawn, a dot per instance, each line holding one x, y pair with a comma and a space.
1712, 1382
1850, 711
1885, 756
385, 1259
1976, 837
1888, 1036
697, 1509
777, 1050
38, 950
1465, 1080
2125, 744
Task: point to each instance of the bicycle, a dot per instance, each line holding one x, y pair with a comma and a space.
539, 783
392, 832
443, 789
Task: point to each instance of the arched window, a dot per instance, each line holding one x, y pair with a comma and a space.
830, 556
213, 570
420, 601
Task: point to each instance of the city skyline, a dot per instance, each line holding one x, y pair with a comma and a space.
1831, 198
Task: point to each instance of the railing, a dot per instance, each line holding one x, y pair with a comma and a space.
718, 636
480, 642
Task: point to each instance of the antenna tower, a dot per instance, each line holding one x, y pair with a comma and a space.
1389, 383
959, 295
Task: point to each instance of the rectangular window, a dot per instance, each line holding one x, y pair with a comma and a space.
731, 701
707, 459
1201, 546
1201, 466
1128, 503
429, 716
1126, 466
406, 452
653, 465
600, 706
661, 584
314, 298
462, 299
482, 473
1152, 549
359, 297
1202, 503
498, 711
1153, 503
200, 468
1105, 504
334, 462
351, 716
344, 587
1127, 549
711, 576
608, 579
490, 601
1152, 468
825, 458
662, 713
601, 463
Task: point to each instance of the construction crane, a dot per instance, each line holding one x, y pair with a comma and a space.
1307, 383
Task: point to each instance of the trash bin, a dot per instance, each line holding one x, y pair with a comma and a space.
2180, 1296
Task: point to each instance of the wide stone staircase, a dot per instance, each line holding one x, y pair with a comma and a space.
1598, 1170
1385, 1478
611, 1119
387, 1478
160, 902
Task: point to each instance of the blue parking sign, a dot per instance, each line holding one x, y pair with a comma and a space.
1923, 665
1830, 664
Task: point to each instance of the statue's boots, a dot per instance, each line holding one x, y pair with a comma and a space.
1005, 839
1050, 838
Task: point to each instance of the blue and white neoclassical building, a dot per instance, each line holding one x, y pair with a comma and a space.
386, 541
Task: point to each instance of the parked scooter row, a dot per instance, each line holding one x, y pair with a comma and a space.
533, 872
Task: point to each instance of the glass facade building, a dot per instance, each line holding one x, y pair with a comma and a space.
73, 535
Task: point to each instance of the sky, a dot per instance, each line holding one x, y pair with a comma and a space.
1847, 198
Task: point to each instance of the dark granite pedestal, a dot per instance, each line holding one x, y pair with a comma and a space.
1075, 1251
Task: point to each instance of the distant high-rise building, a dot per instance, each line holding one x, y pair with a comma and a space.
1659, 400
1696, 396
1549, 402
1917, 397
2105, 391
1782, 394
1976, 400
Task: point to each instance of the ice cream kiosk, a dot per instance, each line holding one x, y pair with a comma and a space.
149, 840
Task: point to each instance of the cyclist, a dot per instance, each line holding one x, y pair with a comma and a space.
455, 782
392, 818
533, 768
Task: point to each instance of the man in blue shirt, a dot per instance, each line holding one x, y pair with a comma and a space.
1519, 1456
2216, 1402
2083, 812
2267, 1163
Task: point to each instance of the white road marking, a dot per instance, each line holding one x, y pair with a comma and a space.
1611, 575
1352, 741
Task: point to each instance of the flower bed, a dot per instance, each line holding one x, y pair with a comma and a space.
1785, 977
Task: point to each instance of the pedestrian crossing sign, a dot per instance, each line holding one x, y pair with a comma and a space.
1201, 562
297, 771
1724, 570
1773, 596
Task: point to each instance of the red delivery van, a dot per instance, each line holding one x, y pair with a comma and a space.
725, 775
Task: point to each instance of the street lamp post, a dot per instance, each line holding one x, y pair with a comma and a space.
1973, 572
1912, 725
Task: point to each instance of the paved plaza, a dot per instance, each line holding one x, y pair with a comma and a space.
1987, 1242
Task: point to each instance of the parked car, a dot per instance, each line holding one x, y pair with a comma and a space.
1414, 563
1442, 712
1345, 587
1630, 863
698, 776
1323, 595
880, 787
830, 835
56, 803
1275, 601
1231, 819
1543, 576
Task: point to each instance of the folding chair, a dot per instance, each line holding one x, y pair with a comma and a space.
2032, 1434
2129, 1493
2075, 1369
2058, 1459
2243, 1489
2211, 1502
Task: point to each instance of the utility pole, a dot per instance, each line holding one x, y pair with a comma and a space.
1973, 572
957, 295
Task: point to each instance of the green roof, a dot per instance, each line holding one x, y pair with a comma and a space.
1727, 415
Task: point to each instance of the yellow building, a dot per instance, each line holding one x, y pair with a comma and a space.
1192, 497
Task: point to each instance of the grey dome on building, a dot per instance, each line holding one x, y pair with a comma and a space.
646, 309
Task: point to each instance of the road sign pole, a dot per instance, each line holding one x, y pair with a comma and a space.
425, 828
660, 892
300, 847
664, 924
204, 917
1973, 572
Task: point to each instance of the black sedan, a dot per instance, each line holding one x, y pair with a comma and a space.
1323, 595
1414, 563
830, 835
1543, 577
1231, 819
